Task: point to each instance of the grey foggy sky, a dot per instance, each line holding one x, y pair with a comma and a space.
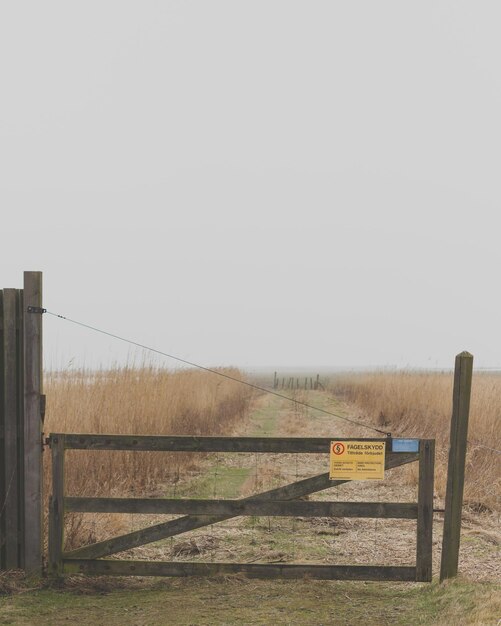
256, 183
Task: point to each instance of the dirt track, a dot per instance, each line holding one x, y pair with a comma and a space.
312, 540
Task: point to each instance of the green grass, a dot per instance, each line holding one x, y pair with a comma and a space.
220, 481
263, 421
234, 601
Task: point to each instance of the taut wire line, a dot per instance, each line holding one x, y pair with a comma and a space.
216, 372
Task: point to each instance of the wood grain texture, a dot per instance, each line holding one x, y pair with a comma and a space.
424, 543
305, 445
11, 460
32, 471
250, 570
463, 373
56, 507
279, 508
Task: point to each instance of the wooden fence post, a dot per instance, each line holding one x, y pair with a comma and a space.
456, 469
3, 463
56, 506
32, 431
21, 426
424, 544
10, 505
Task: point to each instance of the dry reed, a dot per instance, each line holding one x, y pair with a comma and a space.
419, 404
128, 400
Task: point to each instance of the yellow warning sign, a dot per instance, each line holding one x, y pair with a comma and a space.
357, 460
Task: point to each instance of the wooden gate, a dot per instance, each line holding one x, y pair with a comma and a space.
281, 501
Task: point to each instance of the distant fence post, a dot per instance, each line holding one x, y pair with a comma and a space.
456, 469
21, 411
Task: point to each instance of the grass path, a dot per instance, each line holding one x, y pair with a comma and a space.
240, 601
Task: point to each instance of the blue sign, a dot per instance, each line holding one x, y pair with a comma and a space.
405, 445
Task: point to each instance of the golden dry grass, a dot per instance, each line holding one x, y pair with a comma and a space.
419, 404
128, 400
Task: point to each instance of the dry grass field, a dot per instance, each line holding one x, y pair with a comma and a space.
131, 400
419, 404
147, 400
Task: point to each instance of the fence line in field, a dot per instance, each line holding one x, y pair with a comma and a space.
297, 382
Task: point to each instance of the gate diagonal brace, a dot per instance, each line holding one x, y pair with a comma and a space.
192, 522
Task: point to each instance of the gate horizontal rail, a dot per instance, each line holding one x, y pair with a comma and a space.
251, 570
310, 445
281, 501
275, 508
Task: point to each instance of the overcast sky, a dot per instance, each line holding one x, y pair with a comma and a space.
274, 183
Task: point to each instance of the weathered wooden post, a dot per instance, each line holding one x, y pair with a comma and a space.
21, 409
56, 506
457, 456
424, 545
33, 417
10, 419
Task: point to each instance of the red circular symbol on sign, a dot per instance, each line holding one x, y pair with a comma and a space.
338, 447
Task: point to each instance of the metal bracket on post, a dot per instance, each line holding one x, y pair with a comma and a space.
36, 309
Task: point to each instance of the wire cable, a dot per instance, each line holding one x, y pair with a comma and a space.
216, 372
